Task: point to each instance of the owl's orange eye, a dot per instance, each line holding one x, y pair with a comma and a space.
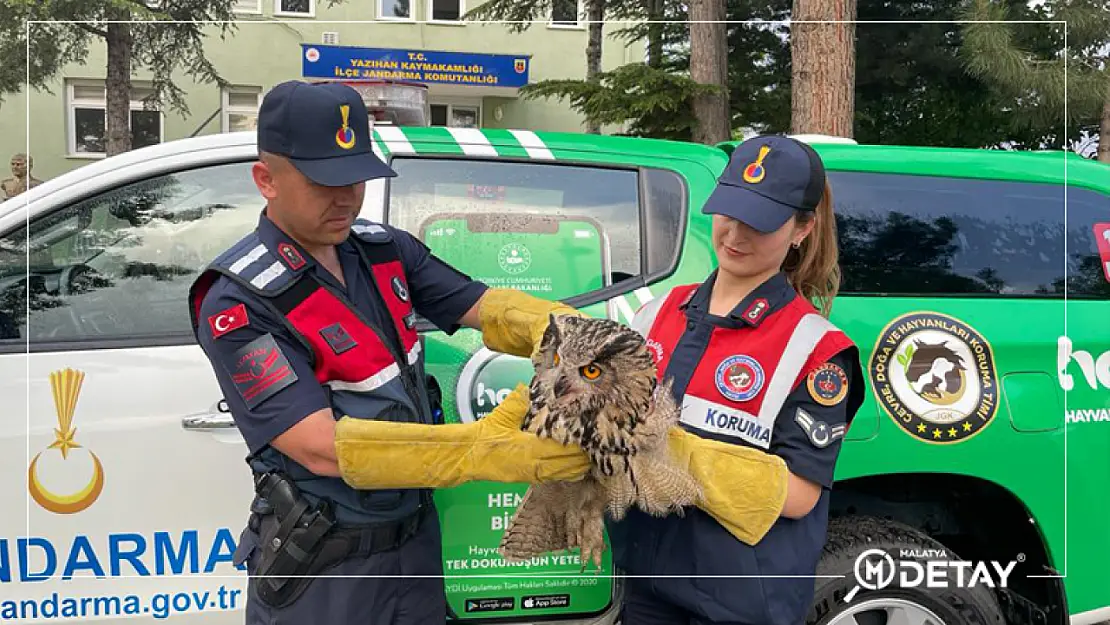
556, 361
591, 372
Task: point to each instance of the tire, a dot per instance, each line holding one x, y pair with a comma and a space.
848, 537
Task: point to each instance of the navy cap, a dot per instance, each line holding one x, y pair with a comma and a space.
324, 131
766, 180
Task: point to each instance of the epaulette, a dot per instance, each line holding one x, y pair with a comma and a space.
251, 264
370, 232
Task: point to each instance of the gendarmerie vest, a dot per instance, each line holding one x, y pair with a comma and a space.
357, 361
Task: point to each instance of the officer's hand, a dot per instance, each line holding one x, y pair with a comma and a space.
750, 500
379, 454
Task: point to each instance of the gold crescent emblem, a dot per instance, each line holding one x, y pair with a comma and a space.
49, 478
345, 137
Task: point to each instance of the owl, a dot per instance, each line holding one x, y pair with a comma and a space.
596, 387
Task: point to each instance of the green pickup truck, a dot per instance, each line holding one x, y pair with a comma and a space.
976, 283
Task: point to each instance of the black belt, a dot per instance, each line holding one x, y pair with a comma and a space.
365, 539
379, 537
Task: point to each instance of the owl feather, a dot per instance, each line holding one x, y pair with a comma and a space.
596, 387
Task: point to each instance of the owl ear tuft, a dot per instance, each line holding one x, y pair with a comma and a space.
553, 333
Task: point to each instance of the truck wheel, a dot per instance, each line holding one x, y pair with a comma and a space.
848, 537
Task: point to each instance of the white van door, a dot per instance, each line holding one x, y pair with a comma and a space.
126, 487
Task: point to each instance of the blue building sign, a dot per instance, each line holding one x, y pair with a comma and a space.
426, 66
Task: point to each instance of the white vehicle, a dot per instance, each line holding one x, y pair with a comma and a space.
127, 485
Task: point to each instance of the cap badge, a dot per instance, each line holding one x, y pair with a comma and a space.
755, 172
345, 137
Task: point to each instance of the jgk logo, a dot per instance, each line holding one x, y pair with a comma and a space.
876, 569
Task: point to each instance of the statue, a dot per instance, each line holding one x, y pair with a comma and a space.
21, 173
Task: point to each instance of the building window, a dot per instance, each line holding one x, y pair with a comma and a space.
395, 9
566, 13
446, 10
87, 127
457, 115
247, 6
295, 8
240, 108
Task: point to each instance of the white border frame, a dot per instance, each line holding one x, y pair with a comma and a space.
72, 103
379, 14
578, 25
456, 22
257, 10
226, 109
310, 15
452, 102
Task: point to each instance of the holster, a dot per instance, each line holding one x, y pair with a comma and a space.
297, 540
435, 399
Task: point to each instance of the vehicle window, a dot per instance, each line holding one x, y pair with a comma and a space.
119, 265
623, 204
929, 235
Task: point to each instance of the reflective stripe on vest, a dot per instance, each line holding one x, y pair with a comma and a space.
740, 385
349, 352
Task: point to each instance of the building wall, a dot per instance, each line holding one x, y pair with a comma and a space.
264, 51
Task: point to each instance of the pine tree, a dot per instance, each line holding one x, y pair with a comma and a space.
1033, 73
523, 13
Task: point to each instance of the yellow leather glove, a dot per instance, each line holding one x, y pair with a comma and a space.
744, 489
513, 322
380, 454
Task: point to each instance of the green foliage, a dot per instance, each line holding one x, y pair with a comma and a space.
522, 12
1030, 69
159, 46
656, 100
912, 87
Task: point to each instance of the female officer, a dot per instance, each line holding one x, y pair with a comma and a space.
768, 387
755, 364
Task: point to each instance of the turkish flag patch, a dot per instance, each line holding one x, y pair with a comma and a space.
260, 370
225, 321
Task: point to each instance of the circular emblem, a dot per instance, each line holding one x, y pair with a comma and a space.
828, 384
399, 289
345, 137
312, 54
514, 258
739, 378
486, 379
935, 376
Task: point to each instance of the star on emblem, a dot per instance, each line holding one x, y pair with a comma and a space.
65, 441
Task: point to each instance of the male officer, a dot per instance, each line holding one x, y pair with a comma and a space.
311, 318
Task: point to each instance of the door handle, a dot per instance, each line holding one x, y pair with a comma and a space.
208, 421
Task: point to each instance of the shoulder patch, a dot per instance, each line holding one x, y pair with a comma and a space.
827, 384
227, 320
260, 370
291, 256
371, 232
819, 433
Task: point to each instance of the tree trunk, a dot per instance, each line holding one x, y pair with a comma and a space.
709, 66
655, 33
118, 86
1104, 131
595, 13
824, 66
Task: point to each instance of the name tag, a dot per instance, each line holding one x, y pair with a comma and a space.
719, 419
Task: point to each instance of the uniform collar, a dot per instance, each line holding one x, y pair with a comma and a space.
280, 244
766, 299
